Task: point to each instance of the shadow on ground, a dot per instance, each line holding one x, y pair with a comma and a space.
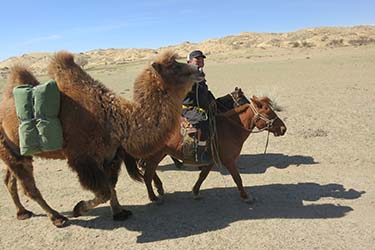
181, 216
257, 164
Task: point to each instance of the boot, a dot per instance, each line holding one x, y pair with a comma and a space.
203, 154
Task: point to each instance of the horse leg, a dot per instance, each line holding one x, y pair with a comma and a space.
158, 184
113, 171
11, 184
231, 166
202, 176
150, 169
24, 174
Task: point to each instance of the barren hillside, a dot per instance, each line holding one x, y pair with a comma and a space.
322, 37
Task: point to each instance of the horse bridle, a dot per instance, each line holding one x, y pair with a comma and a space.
257, 116
269, 123
234, 100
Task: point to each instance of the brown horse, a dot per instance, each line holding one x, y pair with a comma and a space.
233, 128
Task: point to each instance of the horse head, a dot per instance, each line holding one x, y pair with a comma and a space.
232, 100
238, 97
265, 118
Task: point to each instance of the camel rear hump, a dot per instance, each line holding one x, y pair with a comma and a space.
65, 71
19, 75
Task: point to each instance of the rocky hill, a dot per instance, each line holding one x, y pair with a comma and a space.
322, 37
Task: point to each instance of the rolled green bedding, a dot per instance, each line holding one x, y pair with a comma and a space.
37, 109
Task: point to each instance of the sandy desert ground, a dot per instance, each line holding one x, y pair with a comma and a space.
315, 187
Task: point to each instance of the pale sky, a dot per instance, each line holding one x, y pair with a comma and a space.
79, 26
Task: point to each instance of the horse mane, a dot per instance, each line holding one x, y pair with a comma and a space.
272, 102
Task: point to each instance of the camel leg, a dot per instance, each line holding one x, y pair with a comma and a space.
91, 177
103, 187
11, 184
24, 174
202, 176
248, 198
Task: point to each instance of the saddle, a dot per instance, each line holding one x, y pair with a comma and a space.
192, 148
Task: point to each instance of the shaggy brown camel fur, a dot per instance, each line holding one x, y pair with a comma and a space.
100, 129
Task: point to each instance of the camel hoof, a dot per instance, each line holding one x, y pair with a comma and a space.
123, 215
59, 221
24, 215
79, 209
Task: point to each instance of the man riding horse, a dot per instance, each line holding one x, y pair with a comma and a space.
195, 109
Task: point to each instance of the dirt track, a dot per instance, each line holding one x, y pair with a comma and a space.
314, 189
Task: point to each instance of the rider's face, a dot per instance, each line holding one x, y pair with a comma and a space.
199, 61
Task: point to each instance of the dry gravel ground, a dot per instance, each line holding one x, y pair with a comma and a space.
314, 188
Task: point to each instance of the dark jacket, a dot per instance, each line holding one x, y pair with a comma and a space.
200, 98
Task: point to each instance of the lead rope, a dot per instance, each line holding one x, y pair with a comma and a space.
214, 143
268, 137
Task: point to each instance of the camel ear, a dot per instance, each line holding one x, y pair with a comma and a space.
157, 66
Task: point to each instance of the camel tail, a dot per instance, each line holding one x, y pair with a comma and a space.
19, 75
131, 166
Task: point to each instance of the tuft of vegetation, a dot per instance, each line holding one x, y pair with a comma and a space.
336, 43
303, 44
361, 41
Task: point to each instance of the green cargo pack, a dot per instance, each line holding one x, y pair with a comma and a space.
37, 109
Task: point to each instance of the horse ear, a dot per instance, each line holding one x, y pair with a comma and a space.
236, 88
157, 66
257, 102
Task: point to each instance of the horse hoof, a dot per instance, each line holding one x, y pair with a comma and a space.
59, 221
23, 215
123, 215
161, 192
79, 209
196, 196
157, 201
248, 200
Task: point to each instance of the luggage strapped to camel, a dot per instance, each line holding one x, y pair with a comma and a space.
37, 109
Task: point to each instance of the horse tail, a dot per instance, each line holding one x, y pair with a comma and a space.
131, 166
19, 75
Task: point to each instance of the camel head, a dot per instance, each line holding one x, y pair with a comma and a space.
178, 78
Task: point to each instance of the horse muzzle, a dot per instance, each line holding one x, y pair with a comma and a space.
280, 132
